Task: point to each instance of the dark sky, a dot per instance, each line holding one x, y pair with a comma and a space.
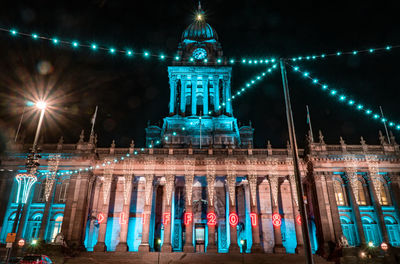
131, 91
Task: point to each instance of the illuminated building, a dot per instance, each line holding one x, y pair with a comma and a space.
199, 184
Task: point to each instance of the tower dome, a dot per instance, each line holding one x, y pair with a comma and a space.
198, 31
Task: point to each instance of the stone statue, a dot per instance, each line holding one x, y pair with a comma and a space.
343, 241
59, 239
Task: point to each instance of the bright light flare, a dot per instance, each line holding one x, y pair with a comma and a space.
41, 105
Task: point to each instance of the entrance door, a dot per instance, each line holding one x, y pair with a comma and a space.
200, 232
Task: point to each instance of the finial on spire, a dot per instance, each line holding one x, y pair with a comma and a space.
200, 13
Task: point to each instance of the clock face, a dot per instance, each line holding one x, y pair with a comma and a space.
199, 54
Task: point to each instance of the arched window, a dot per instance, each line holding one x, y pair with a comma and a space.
63, 191
35, 226
393, 231
339, 193
348, 230
362, 200
57, 227
385, 199
371, 232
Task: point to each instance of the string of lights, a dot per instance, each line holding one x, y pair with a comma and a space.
249, 84
341, 53
91, 168
345, 99
127, 52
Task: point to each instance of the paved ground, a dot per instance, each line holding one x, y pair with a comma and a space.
193, 258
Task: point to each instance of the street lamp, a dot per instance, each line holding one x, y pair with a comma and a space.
27, 180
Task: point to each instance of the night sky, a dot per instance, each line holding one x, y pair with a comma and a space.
130, 92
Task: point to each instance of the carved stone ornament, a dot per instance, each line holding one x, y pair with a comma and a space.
231, 178
51, 178
169, 185
294, 189
128, 174
274, 189
373, 167
189, 166
107, 179
252, 178
210, 167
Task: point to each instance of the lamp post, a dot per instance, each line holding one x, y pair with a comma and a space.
27, 180
297, 176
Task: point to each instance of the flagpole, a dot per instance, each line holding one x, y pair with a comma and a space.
309, 123
384, 123
93, 121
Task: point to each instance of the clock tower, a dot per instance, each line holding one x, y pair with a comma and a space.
200, 108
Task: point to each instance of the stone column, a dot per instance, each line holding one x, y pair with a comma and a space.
216, 92
103, 209
278, 248
353, 194
296, 215
124, 221
24, 214
189, 166
376, 201
210, 168
172, 86
183, 94
205, 94
227, 85
231, 179
337, 227
144, 245
194, 88
44, 225
169, 186
93, 210
255, 229
70, 206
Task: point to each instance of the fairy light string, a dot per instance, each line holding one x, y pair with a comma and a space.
345, 99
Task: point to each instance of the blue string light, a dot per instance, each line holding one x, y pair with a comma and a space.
90, 168
345, 99
340, 53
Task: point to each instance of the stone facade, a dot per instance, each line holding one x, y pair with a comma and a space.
178, 194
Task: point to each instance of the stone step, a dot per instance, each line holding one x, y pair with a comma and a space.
193, 258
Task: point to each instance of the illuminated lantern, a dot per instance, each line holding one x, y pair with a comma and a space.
166, 218
276, 220
122, 219
298, 219
384, 246
100, 218
187, 218
233, 219
211, 219
21, 242
253, 217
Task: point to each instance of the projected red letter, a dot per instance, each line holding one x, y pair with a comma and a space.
100, 218
253, 217
276, 220
298, 219
143, 218
211, 219
122, 219
166, 218
233, 219
187, 218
